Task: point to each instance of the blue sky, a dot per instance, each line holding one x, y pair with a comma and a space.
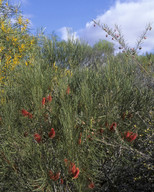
59, 16
55, 14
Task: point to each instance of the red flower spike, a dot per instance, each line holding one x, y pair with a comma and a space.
79, 141
43, 100
49, 98
52, 133
76, 174
51, 175
73, 168
30, 115
37, 137
91, 185
56, 177
68, 90
130, 136
133, 137
127, 134
113, 126
24, 112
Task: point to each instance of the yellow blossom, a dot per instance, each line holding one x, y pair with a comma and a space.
23, 28
54, 64
7, 38
27, 21
21, 48
15, 60
20, 20
1, 49
3, 26
14, 39
32, 42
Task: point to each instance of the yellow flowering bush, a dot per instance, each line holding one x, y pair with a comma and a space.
16, 44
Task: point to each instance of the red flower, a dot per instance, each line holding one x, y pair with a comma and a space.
52, 133
37, 137
127, 134
91, 185
30, 115
79, 140
130, 136
49, 98
24, 112
54, 177
113, 126
43, 100
76, 173
133, 137
51, 175
73, 170
68, 90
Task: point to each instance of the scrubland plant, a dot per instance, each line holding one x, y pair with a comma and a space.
16, 44
74, 128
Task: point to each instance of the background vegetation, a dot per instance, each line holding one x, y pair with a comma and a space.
72, 117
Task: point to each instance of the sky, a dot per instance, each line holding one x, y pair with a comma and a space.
75, 16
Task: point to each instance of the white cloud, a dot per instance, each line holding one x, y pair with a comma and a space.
132, 16
67, 33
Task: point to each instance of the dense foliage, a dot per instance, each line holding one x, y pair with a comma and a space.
72, 117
